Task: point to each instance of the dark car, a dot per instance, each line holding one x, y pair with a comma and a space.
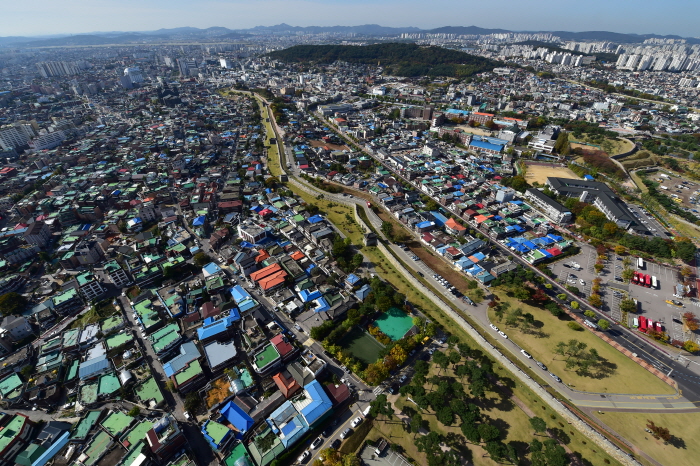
336, 444
328, 431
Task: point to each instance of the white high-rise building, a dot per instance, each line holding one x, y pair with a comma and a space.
134, 74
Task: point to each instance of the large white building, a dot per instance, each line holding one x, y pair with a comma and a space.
15, 136
48, 141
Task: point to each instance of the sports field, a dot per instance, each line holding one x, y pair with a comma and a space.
540, 173
361, 345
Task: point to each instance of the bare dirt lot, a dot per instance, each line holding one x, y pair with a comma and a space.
540, 173
330, 146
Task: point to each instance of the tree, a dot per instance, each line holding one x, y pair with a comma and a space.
441, 360
691, 321
135, 411
627, 273
574, 305
454, 357
416, 423
496, 450
170, 386
201, 259
589, 313
691, 347
488, 432
554, 454
538, 424
620, 249
595, 300
445, 415
628, 305
12, 303
382, 406
471, 432
598, 267
27, 371
192, 401
561, 296
685, 250
658, 432
603, 324
686, 271
265, 443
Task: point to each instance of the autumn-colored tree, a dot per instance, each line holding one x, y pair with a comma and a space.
375, 373
539, 296
658, 432
686, 271
399, 354
620, 249
691, 321
691, 347
595, 300
598, 267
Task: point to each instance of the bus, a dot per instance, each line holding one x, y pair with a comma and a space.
647, 281
654, 283
635, 278
640, 263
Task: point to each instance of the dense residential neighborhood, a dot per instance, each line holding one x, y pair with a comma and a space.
212, 256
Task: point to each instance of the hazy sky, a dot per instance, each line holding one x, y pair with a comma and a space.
38, 17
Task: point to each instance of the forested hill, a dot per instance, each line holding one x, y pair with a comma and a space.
398, 59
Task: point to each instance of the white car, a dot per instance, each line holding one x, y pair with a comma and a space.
304, 456
493, 327
356, 422
503, 334
317, 443
582, 282
526, 354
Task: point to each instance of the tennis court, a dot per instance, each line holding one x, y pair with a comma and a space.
394, 323
361, 345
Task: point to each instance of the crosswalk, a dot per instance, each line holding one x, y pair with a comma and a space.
378, 390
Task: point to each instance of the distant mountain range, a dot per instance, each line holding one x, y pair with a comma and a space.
191, 33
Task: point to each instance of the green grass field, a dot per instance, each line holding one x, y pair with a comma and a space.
621, 376
361, 345
685, 427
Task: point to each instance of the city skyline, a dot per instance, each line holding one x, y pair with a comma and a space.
42, 17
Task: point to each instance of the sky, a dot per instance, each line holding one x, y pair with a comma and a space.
44, 17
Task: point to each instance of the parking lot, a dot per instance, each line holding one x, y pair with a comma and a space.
648, 221
652, 302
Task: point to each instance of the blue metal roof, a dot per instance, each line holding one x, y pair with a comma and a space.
93, 366
52, 450
188, 353
237, 417
320, 403
486, 145
212, 327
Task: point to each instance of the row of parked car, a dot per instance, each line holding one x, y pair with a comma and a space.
328, 432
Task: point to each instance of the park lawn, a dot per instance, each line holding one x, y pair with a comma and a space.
684, 426
628, 377
609, 145
503, 413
